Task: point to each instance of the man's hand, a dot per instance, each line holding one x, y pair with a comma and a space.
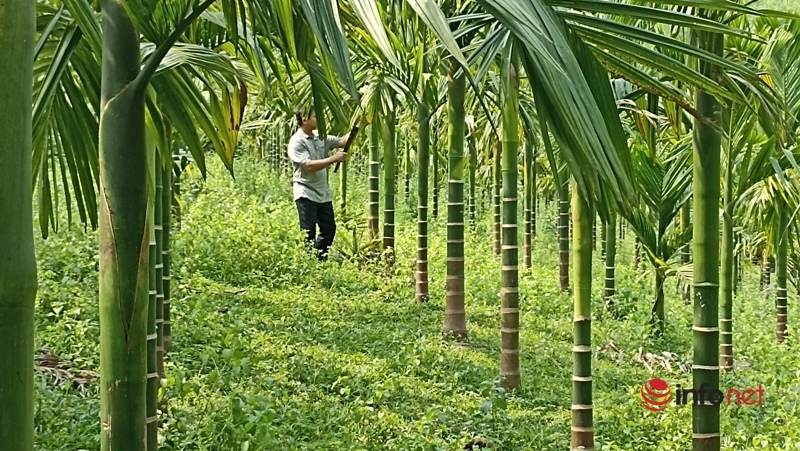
339, 156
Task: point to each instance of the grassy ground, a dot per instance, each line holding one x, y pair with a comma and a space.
275, 351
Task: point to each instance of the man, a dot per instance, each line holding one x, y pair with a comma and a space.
312, 194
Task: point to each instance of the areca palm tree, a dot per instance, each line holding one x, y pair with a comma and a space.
18, 266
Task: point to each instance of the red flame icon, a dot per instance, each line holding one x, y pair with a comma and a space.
656, 394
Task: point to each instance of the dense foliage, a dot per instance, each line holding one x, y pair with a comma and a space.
274, 350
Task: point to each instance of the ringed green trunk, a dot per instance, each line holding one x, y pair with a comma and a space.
373, 218
782, 269
407, 163
727, 269
423, 158
18, 275
686, 294
611, 255
123, 238
153, 380
509, 271
473, 163
166, 256
582, 410
159, 264
176, 195
563, 236
455, 319
343, 188
706, 192
527, 201
534, 195
496, 168
658, 317
389, 174
435, 155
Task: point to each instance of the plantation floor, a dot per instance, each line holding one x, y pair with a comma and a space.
275, 351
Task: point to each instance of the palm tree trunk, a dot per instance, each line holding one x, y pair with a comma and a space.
373, 218
343, 188
153, 379
389, 175
603, 238
407, 165
18, 275
582, 421
496, 167
509, 291
534, 195
659, 316
706, 176
423, 157
782, 266
611, 255
123, 238
455, 320
176, 195
563, 236
528, 203
159, 265
166, 252
686, 294
435, 155
727, 269
473, 163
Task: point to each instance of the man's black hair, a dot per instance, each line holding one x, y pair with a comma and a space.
298, 115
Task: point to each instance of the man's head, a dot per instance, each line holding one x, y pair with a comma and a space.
307, 121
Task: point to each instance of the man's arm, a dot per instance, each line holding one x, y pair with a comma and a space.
318, 165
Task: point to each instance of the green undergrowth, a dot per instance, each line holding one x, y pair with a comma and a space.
276, 351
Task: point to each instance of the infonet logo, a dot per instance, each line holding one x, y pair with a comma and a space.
656, 395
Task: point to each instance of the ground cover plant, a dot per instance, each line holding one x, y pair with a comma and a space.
651, 142
278, 351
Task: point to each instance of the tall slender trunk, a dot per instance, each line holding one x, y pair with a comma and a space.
527, 201
18, 275
408, 167
373, 218
658, 316
389, 175
509, 287
423, 158
706, 176
636, 251
166, 253
582, 421
611, 255
726, 265
153, 379
343, 188
496, 172
782, 268
159, 265
563, 235
123, 238
176, 193
603, 238
736, 263
686, 294
435, 180
455, 320
473, 163
534, 194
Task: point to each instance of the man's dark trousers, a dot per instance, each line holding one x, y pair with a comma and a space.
312, 213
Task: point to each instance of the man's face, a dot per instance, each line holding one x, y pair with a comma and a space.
312, 120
